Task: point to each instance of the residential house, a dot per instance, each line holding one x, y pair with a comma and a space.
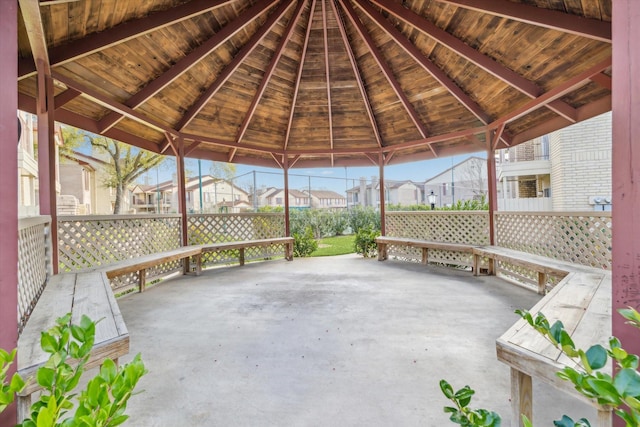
82, 186
567, 170
27, 166
404, 193
326, 199
274, 197
466, 180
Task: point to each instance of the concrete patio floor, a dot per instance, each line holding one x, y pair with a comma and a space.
338, 341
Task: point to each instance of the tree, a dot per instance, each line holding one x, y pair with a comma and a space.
223, 170
125, 165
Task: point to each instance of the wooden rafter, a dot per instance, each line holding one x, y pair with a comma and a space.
486, 63
65, 97
189, 60
188, 150
135, 28
327, 74
246, 50
356, 73
30, 10
296, 87
384, 67
270, 69
603, 80
425, 62
552, 19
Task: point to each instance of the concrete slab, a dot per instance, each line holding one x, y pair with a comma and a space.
324, 342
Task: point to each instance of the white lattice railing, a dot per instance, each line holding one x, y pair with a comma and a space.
206, 228
33, 263
470, 227
91, 241
578, 237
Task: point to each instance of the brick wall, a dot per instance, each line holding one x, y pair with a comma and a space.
581, 163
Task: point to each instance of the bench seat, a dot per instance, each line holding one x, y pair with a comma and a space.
79, 294
425, 245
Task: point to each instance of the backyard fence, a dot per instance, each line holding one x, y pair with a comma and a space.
33, 263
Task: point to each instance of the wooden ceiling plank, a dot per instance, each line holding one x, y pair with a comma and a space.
327, 73
54, 2
111, 104
271, 69
425, 62
65, 97
479, 59
296, 88
228, 144
30, 10
358, 76
120, 33
384, 67
192, 58
234, 64
547, 18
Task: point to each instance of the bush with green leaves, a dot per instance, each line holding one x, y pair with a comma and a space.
105, 398
362, 217
304, 244
461, 413
620, 391
365, 242
8, 387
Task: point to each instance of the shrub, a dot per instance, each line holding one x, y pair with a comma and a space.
304, 244
363, 217
365, 242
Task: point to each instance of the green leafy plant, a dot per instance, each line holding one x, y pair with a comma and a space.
621, 391
8, 387
461, 413
304, 244
365, 242
105, 398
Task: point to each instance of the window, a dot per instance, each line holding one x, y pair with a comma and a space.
444, 189
278, 200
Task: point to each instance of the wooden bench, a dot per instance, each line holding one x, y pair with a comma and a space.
581, 300
76, 293
245, 244
425, 245
142, 263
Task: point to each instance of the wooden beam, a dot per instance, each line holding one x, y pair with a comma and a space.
232, 154
383, 222
121, 33
603, 80
182, 196
547, 18
170, 143
486, 63
191, 59
327, 75
373, 159
384, 67
190, 149
287, 222
626, 158
237, 60
356, 72
230, 145
294, 161
9, 190
65, 97
30, 10
266, 78
296, 87
275, 159
425, 62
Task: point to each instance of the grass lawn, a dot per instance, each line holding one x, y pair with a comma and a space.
338, 245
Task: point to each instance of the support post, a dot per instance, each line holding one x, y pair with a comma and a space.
285, 167
491, 186
521, 397
626, 158
9, 187
383, 228
47, 158
182, 197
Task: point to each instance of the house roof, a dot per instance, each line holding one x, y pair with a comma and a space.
447, 172
326, 194
324, 83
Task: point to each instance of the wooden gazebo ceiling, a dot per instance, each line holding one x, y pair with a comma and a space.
325, 82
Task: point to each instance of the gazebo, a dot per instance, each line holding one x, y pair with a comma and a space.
319, 83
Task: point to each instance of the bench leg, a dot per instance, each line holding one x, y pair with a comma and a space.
476, 265
382, 251
542, 283
142, 280
288, 251
425, 256
198, 258
24, 407
492, 267
521, 397
241, 256
605, 418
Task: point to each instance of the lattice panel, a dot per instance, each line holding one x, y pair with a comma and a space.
441, 226
407, 253
231, 256
211, 228
583, 238
32, 264
91, 241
